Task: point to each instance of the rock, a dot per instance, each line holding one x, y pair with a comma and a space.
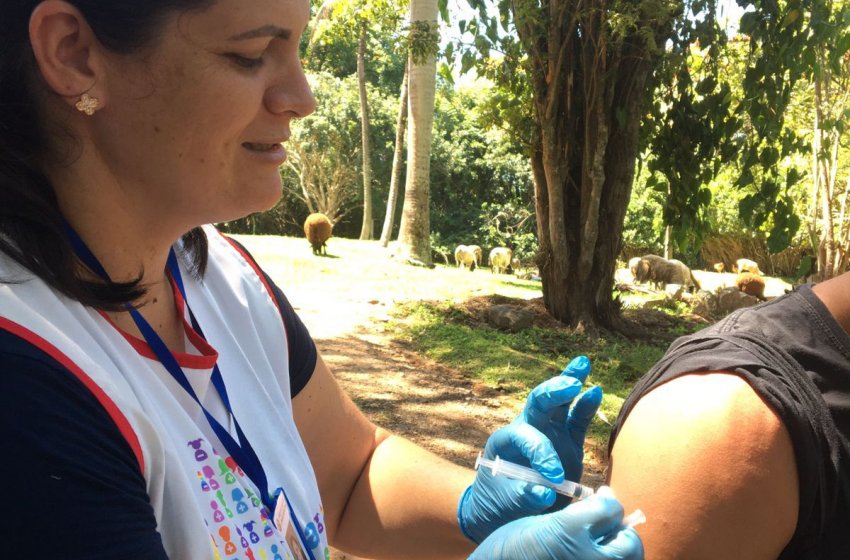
731, 298
510, 317
704, 304
673, 291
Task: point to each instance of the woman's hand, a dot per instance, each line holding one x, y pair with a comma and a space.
549, 436
548, 410
591, 529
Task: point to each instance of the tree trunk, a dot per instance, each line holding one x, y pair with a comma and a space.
588, 109
395, 181
368, 225
415, 228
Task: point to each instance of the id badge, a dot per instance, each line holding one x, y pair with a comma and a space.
285, 521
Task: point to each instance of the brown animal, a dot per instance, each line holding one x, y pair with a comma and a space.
751, 284
661, 271
317, 228
641, 269
719, 267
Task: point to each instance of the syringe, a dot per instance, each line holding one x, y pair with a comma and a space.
634, 518
630, 521
518, 472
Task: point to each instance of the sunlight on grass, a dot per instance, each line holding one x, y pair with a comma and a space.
351, 264
516, 362
426, 305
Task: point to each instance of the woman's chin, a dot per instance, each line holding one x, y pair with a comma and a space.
257, 204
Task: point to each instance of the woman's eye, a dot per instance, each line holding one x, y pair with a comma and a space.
245, 61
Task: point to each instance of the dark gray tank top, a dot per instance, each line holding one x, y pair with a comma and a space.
796, 356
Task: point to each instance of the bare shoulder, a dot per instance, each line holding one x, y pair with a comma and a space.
712, 466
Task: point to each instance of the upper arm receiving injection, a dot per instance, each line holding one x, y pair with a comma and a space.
713, 468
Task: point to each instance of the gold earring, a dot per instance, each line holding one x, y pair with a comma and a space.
87, 104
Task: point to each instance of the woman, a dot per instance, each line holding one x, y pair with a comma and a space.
150, 404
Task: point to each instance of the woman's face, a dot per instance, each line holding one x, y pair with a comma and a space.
192, 127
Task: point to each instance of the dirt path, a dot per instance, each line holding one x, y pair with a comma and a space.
399, 390
426, 402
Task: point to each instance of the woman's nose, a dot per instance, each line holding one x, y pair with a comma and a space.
291, 94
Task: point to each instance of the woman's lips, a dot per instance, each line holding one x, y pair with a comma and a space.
272, 152
259, 147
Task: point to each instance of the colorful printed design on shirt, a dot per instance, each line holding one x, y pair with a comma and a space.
239, 525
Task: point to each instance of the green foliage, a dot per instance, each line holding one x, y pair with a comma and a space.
718, 106
334, 35
475, 164
325, 146
643, 230
516, 362
783, 39
324, 149
442, 251
423, 40
509, 225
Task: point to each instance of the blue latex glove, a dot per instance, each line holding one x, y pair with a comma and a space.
491, 501
545, 435
587, 530
548, 409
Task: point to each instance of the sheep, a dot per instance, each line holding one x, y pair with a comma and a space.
516, 265
500, 259
719, 267
479, 254
643, 268
661, 271
750, 283
633, 264
465, 256
746, 265
317, 228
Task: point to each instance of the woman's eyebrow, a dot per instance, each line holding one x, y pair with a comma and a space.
264, 31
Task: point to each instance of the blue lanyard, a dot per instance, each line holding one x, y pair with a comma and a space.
243, 454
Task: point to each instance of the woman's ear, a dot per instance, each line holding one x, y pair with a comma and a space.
66, 51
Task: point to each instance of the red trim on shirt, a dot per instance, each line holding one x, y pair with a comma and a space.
107, 403
205, 360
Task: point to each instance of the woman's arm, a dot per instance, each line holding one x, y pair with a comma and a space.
712, 467
384, 497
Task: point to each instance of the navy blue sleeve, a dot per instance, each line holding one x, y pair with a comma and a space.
302, 348
72, 487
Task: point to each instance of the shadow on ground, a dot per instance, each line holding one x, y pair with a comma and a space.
428, 403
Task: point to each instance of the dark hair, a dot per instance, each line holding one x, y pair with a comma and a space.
31, 230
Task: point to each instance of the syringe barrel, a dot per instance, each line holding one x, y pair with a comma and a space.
518, 472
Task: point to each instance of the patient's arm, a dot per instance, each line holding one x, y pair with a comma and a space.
712, 467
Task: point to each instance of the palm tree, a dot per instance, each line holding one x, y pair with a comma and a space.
414, 230
395, 179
